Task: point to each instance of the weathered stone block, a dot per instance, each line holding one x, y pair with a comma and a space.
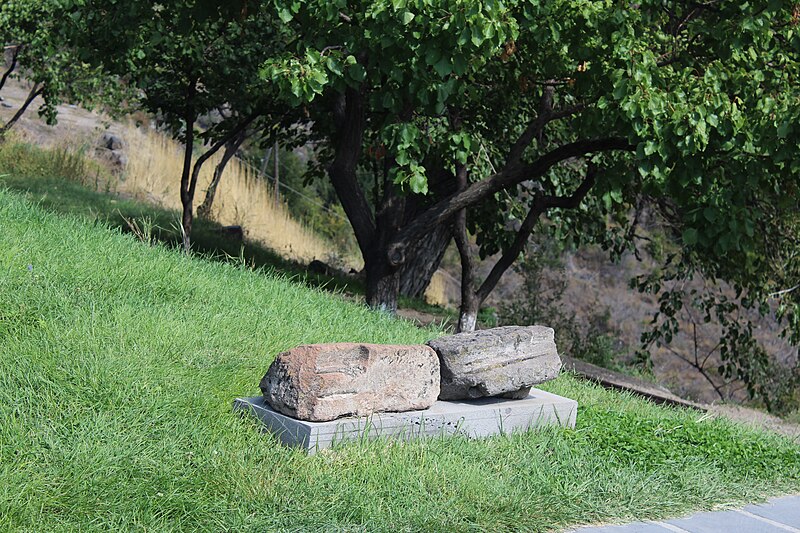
320, 382
504, 361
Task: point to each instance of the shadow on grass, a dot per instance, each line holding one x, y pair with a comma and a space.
157, 225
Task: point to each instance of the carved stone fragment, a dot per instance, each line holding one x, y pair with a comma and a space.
504, 361
321, 382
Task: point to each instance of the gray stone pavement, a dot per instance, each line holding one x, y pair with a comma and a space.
778, 515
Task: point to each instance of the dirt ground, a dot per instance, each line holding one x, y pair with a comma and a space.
75, 125
755, 418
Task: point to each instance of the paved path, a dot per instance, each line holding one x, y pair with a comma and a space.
776, 516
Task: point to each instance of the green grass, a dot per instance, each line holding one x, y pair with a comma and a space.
119, 362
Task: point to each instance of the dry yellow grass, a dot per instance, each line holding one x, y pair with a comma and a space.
153, 172
443, 290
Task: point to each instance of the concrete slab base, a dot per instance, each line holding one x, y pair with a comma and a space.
473, 418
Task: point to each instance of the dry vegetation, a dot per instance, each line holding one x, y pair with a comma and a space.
152, 171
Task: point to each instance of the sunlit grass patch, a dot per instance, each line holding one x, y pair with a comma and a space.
119, 362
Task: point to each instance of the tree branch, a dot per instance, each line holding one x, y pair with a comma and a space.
11, 67
540, 205
240, 127
534, 129
231, 147
36, 90
505, 179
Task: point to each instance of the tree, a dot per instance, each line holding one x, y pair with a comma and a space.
186, 59
493, 116
592, 106
31, 32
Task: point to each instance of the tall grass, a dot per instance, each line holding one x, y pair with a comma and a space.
153, 173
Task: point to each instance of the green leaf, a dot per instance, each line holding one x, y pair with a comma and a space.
459, 65
690, 237
477, 36
433, 55
418, 183
356, 72
443, 67
620, 89
407, 17
285, 15
334, 66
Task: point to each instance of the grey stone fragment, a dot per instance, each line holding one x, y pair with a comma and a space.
320, 382
474, 418
111, 141
494, 362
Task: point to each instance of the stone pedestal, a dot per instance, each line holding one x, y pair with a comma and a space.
475, 418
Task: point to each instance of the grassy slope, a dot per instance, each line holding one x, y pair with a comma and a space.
119, 361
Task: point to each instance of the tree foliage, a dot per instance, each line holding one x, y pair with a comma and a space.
187, 60
32, 37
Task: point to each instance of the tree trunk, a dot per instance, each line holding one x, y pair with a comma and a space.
186, 223
383, 283
423, 261
186, 197
468, 313
349, 118
204, 210
373, 233
383, 279
425, 256
470, 302
191, 174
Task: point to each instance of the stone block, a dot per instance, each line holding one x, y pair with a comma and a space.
496, 362
321, 382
